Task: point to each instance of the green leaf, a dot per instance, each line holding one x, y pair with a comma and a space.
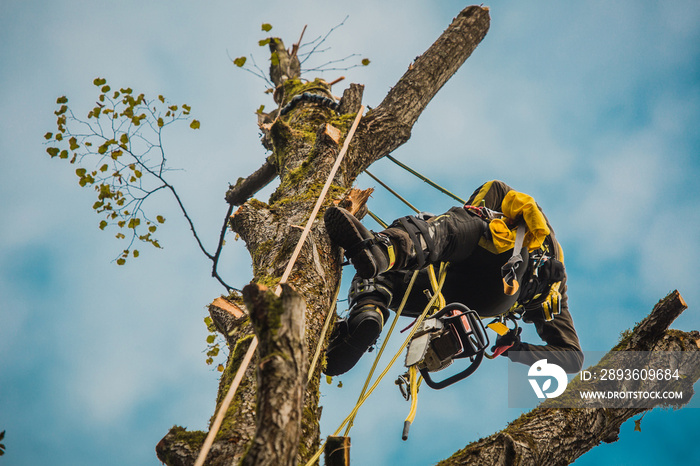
52, 151
194, 124
136, 253
274, 59
220, 368
124, 138
240, 61
365, 61
638, 425
73, 143
48, 136
137, 174
99, 82
160, 219
104, 168
103, 224
160, 122
121, 261
133, 223
211, 339
97, 205
81, 172
152, 228
264, 42
61, 100
63, 154
267, 27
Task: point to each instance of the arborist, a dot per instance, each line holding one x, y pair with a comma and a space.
503, 260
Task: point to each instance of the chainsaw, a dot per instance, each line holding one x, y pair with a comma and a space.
455, 332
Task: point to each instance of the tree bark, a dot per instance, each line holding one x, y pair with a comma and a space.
281, 374
557, 436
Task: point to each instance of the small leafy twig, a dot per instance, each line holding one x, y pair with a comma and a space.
119, 151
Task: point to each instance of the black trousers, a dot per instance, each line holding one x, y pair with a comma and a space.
473, 276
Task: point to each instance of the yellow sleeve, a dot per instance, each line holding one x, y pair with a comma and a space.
517, 205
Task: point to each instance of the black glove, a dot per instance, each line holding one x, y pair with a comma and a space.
512, 339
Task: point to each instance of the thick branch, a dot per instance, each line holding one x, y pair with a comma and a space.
245, 188
281, 373
548, 435
648, 332
389, 125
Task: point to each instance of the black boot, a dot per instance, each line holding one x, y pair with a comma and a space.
352, 337
370, 253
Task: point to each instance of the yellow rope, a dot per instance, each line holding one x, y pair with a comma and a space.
386, 340
322, 337
413, 377
352, 414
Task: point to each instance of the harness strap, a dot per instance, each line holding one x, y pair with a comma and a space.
413, 225
510, 278
378, 238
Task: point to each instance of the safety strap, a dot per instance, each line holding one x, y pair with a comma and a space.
510, 278
412, 226
378, 238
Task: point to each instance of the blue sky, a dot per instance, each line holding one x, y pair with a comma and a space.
593, 108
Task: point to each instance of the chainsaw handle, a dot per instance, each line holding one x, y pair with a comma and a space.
451, 307
454, 378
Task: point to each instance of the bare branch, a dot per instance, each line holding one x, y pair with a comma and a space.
308, 54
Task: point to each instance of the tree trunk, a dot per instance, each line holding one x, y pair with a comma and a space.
281, 374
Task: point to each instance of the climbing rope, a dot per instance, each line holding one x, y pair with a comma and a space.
254, 343
386, 340
431, 305
322, 336
385, 186
427, 180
